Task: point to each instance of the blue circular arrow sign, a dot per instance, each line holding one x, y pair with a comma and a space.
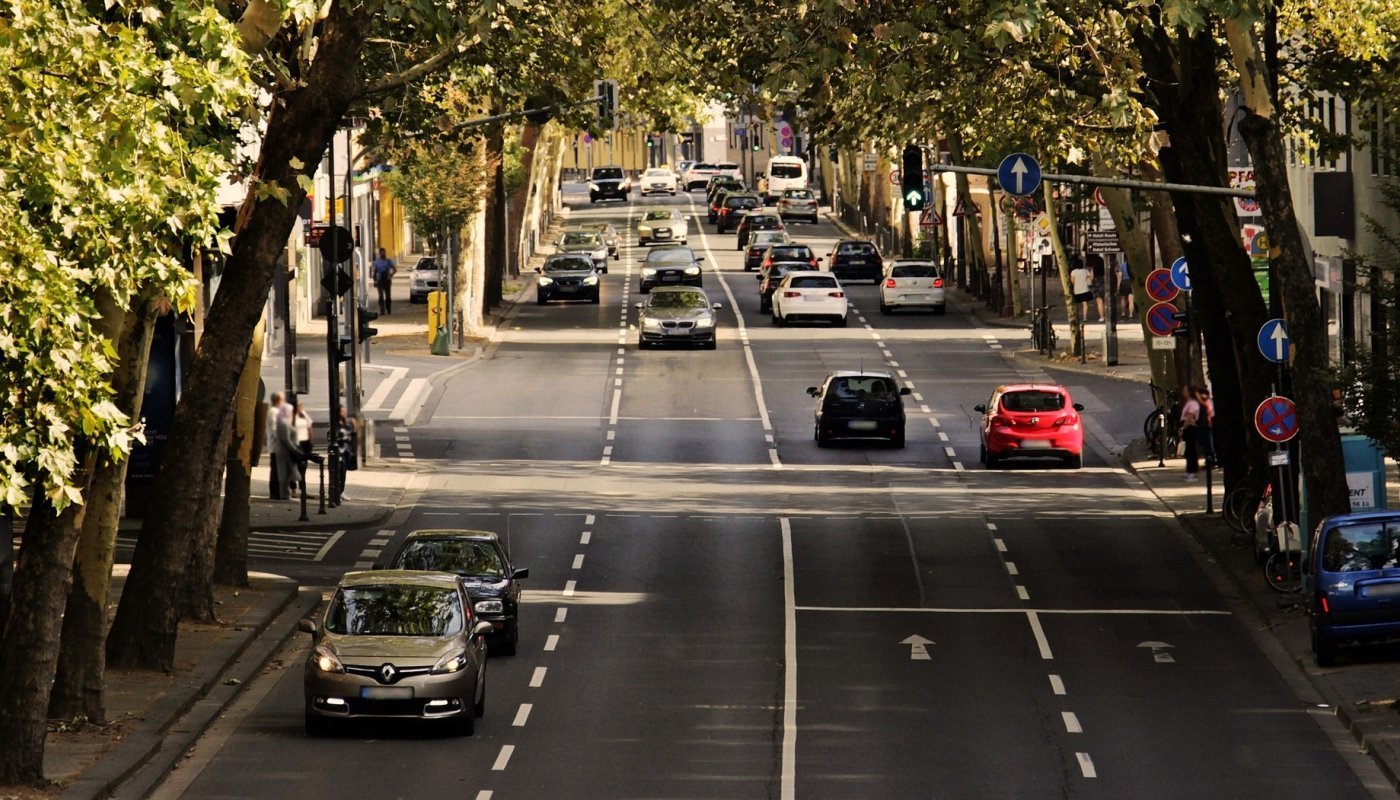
1274, 342
1161, 319
1276, 419
1181, 275
1019, 174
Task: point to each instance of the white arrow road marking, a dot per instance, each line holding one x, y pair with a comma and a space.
1159, 653
918, 650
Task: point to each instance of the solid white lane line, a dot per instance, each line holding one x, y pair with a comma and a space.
1022, 593
1040, 639
522, 715
537, 679
578, 561
585, 537
788, 769
1057, 684
1011, 568
560, 614
385, 387
1071, 722
551, 642
1086, 765
569, 587
503, 758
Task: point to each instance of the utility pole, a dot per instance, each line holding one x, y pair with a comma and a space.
332, 324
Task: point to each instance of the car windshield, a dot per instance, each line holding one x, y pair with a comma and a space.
678, 300
658, 214
426, 263
1362, 547
462, 556
581, 237
607, 173
797, 194
813, 282
914, 271
670, 255
741, 202
702, 165
658, 173
567, 264
1032, 400
862, 387
856, 249
785, 170
391, 610
790, 253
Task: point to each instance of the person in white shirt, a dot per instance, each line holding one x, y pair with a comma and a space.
1081, 282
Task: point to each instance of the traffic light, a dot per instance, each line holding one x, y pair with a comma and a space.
912, 178
343, 350
651, 141
605, 93
366, 317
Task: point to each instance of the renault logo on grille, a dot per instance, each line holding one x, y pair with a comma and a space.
388, 673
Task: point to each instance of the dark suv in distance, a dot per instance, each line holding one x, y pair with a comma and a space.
859, 405
608, 183
480, 560
855, 260
733, 209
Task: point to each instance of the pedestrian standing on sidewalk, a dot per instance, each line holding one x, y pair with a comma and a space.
1097, 287
1081, 287
276, 479
288, 452
1190, 416
346, 444
384, 271
1125, 289
1205, 426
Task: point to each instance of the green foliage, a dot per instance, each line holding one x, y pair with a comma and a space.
440, 187
1371, 377
117, 134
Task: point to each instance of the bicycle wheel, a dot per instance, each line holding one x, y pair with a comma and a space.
1151, 428
1239, 503
1284, 571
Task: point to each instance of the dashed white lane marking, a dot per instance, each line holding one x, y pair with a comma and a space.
918, 398
1071, 722
588, 520
569, 587
621, 351
522, 714
619, 370
1040, 639
933, 421
768, 438
942, 437
484, 794
616, 405
585, 537
1086, 765
503, 758
400, 439
607, 451
578, 561
1000, 545
994, 347
617, 381
551, 642
612, 435
894, 363
364, 565
991, 526
371, 552
1011, 568
1057, 684
773, 456
909, 383
957, 465
925, 409
901, 373
1022, 593
950, 451
561, 614
537, 679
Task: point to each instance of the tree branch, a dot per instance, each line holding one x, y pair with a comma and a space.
438, 61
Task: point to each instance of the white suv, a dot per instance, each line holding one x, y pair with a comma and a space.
698, 175
809, 294
657, 180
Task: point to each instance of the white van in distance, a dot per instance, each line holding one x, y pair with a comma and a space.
784, 172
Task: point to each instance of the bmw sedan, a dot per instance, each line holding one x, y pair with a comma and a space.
481, 561
586, 243
567, 277
1031, 420
859, 405
399, 645
675, 315
670, 266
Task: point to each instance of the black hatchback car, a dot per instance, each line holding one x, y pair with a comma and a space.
480, 560
856, 260
859, 405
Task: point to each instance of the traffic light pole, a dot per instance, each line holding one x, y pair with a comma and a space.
332, 330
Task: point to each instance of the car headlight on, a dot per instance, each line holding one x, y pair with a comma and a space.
651, 324
648, 272
705, 322
490, 607
325, 660
692, 270
545, 281
452, 662
643, 230
591, 280
592, 187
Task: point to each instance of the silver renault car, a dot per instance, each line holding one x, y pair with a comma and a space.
397, 644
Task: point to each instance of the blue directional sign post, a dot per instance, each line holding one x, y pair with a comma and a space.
1274, 342
1019, 174
1181, 275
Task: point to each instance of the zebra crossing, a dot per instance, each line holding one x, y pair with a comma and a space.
265, 545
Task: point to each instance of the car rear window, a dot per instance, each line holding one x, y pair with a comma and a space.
607, 173
727, 165
1032, 400
741, 202
763, 221
856, 249
462, 556
1362, 548
863, 386
798, 194
813, 282
785, 170
914, 271
802, 253
702, 165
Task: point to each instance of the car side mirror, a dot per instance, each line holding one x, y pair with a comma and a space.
521, 573
481, 628
813, 391
306, 626
637, 305
980, 408
698, 259
905, 391
820, 260
1078, 406
717, 306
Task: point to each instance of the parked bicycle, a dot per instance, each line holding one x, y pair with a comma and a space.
1284, 569
1166, 413
1042, 330
1238, 508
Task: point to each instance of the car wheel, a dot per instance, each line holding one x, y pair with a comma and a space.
1075, 461
885, 308
840, 321
777, 320
992, 460
592, 200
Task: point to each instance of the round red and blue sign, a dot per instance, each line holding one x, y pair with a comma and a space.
1276, 419
1160, 286
1161, 319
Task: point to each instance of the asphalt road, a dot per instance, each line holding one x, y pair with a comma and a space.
719, 609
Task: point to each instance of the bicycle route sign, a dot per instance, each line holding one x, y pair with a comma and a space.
1160, 286
1161, 319
1273, 341
1276, 419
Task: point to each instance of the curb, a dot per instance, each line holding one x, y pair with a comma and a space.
181, 717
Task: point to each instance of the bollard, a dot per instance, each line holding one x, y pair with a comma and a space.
302, 487
322, 465
1210, 498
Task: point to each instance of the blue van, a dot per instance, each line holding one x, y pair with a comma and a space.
1354, 566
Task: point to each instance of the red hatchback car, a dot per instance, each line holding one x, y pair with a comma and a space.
1032, 420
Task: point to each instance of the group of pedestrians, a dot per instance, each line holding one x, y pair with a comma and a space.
1087, 284
1197, 423
291, 446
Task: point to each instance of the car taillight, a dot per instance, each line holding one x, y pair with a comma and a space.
792, 294
835, 294
1325, 608
1001, 420
813, 262
889, 283
1068, 419
938, 283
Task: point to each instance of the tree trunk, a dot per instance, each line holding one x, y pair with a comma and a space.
197, 596
80, 681
496, 209
1133, 241
1323, 465
231, 551
299, 127
1076, 325
975, 256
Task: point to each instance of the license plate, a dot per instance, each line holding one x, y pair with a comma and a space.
386, 692
862, 424
1381, 590
670, 278
856, 262
913, 297
568, 288
1035, 444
